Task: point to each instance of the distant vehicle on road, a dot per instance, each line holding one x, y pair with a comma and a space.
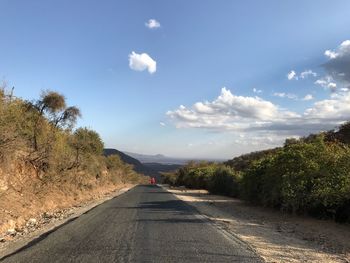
153, 180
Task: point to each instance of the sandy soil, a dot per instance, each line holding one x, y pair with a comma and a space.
275, 236
53, 219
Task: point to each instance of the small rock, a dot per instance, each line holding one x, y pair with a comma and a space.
47, 215
11, 232
32, 222
19, 230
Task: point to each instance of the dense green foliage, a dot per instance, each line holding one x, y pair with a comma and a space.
41, 134
310, 176
216, 178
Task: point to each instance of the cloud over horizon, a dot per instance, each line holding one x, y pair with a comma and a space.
261, 120
229, 112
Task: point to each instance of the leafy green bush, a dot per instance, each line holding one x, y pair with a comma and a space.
310, 175
216, 178
224, 180
304, 177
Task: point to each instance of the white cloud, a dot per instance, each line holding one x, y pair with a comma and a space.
308, 97
305, 74
330, 54
229, 112
293, 96
342, 50
338, 66
286, 95
327, 82
152, 24
336, 108
292, 75
162, 124
141, 62
258, 91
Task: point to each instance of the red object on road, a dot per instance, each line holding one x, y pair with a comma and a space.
153, 180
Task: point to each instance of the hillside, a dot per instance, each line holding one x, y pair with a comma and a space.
138, 166
307, 176
47, 164
157, 158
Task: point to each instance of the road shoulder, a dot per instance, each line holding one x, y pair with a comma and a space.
274, 236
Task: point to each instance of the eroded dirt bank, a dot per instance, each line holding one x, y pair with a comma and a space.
49, 220
276, 237
28, 200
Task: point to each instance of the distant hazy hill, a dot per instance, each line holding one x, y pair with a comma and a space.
158, 158
161, 159
138, 166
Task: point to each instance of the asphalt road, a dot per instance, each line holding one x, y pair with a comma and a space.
146, 224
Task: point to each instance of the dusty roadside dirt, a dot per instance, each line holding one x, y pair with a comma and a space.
53, 219
276, 237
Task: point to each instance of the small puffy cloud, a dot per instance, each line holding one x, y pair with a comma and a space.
152, 24
141, 62
162, 124
332, 85
286, 95
292, 75
327, 82
330, 54
257, 90
308, 97
305, 74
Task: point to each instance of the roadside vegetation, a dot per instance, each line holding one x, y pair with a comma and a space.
41, 134
45, 159
309, 176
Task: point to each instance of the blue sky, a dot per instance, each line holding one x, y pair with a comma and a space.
82, 49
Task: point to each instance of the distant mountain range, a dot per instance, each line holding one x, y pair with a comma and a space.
158, 158
151, 165
149, 169
161, 159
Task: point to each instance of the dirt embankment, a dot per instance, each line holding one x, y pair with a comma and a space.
28, 201
276, 237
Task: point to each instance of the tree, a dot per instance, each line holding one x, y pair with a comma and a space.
51, 102
344, 133
85, 142
67, 118
52, 105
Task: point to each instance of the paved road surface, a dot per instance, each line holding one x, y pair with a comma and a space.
146, 224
